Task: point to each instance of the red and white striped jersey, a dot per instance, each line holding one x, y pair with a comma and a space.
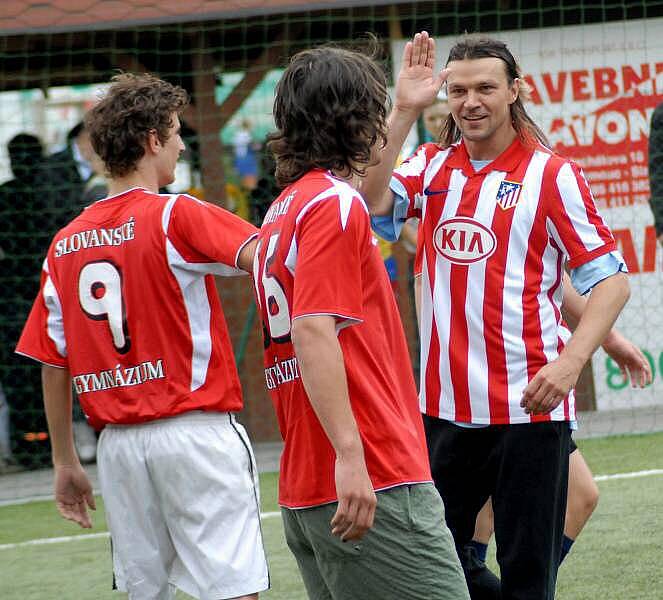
316, 255
128, 305
494, 246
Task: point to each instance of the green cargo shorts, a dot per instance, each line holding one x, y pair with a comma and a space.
408, 554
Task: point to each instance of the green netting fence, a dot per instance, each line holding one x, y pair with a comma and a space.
595, 68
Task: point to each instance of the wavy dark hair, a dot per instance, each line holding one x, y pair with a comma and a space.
330, 110
134, 105
479, 46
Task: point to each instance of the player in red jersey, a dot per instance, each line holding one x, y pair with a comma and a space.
128, 312
501, 214
360, 512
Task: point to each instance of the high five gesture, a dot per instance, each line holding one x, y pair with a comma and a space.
417, 87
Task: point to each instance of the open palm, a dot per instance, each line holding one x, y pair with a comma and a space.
418, 84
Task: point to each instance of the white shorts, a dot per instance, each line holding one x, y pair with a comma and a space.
182, 506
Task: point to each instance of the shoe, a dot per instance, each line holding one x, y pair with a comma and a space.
85, 441
9, 465
482, 583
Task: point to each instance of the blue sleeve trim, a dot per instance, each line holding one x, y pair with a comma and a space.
470, 425
586, 276
389, 227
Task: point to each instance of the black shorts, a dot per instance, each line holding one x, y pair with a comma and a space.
572, 445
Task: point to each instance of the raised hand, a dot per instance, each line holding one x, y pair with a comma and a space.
417, 85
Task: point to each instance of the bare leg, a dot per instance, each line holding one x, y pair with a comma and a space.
483, 530
583, 496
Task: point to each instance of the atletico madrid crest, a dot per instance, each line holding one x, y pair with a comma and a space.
508, 194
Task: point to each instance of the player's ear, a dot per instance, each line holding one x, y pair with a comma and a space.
515, 89
153, 144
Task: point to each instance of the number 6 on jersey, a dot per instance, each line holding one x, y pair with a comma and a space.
100, 296
272, 297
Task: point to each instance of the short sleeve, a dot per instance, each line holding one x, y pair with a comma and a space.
589, 274
389, 227
574, 222
331, 237
43, 336
408, 183
203, 233
408, 179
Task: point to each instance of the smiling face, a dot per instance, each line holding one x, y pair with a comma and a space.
480, 98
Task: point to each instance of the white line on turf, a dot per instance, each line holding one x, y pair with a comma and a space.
87, 536
266, 515
629, 475
55, 540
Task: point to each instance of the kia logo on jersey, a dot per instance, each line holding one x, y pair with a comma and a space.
462, 240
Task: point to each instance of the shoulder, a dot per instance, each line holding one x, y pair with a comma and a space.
430, 150
194, 209
556, 165
58, 158
8, 187
185, 198
327, 193
188, 202
195, 218
317, 200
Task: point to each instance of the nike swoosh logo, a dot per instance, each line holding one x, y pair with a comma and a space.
435, 192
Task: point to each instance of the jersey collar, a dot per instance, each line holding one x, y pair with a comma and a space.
120, 194
507, 161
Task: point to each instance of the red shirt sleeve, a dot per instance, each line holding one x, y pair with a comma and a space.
205, 233
577, 225
410, 175
43, 334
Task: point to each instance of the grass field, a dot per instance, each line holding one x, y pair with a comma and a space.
618, 556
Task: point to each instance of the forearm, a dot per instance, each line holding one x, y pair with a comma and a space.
375, 185
316, 344
245, 258
596, 320
573, 305
409, 233
56, 384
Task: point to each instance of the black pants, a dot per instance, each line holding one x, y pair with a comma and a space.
525, 470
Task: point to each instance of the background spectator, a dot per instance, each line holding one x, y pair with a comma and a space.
24, 237
63, 176
246, 162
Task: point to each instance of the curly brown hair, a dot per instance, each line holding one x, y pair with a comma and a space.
330, 110
134, 105
474, 46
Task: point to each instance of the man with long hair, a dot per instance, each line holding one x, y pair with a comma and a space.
501, 215
360, 512
128, 312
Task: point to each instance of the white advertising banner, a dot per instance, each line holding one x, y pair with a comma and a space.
594, 88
